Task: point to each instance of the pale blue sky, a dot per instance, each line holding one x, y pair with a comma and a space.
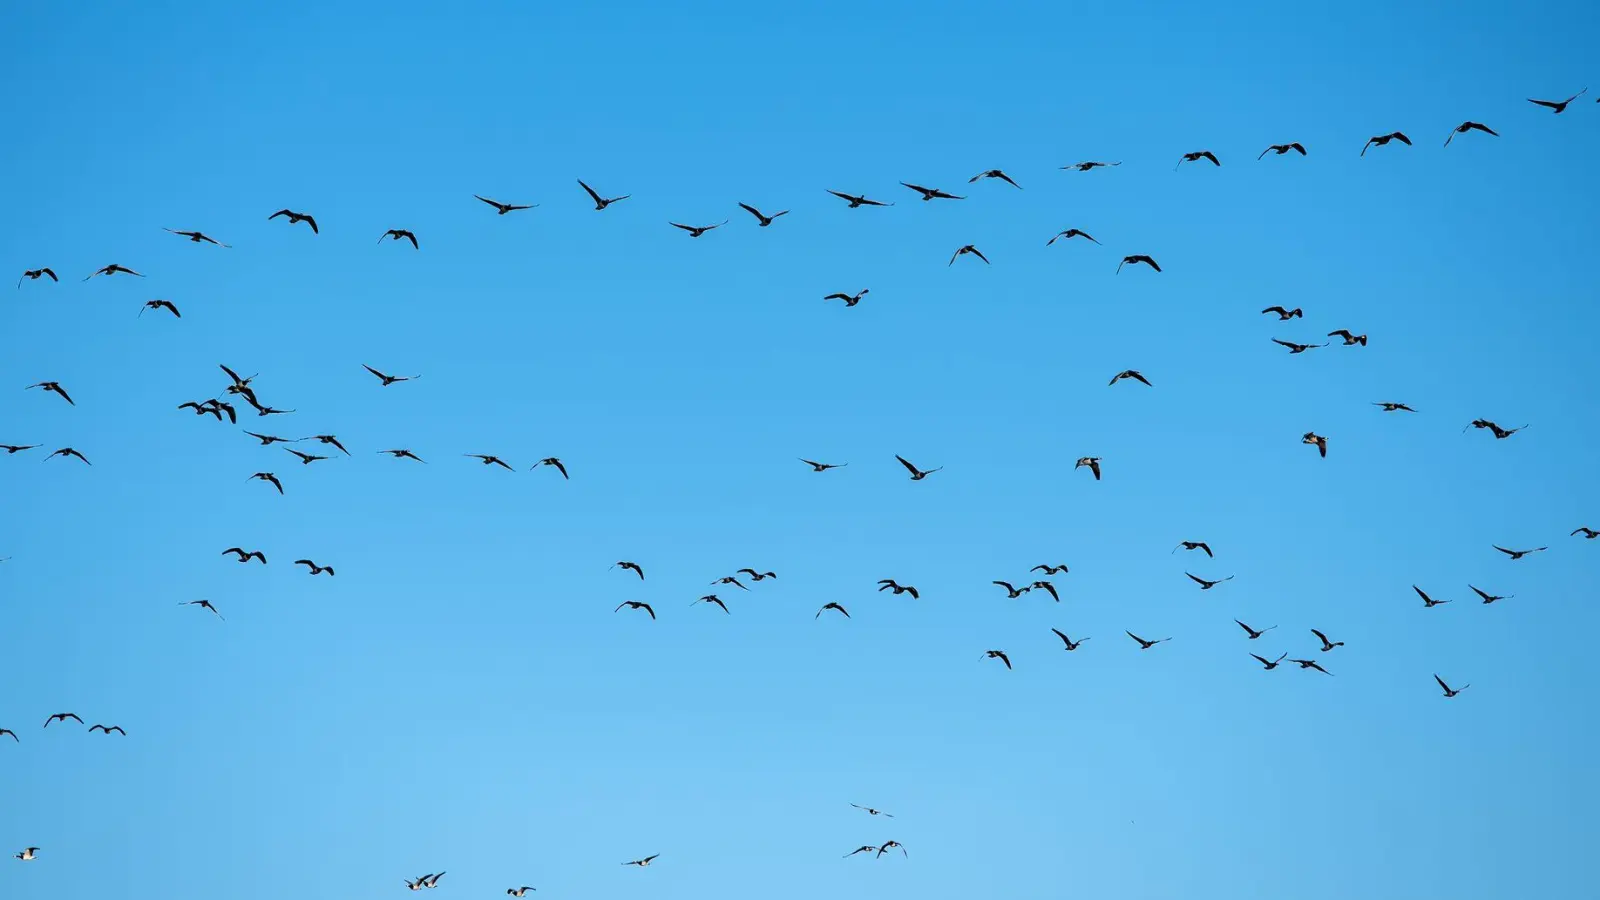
461, 697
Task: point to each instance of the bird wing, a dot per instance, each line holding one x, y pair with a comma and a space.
752, 211
1197, 580
589, 191
1136, 376
909, 466
979, 254
488, 201
1320, 636
689, 228
412, 238
562, 468
1441, 683
1504, 550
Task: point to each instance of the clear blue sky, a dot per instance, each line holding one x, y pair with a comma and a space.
462, 697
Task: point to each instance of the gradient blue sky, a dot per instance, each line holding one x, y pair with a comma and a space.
461, 697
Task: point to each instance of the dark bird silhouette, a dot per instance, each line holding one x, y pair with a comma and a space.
1144, 644
307, 459
712, 598
6, 731
855, 200
862, 849
1378, 140
1049, 569
265, 410
994, 173
1310, 664
314, 569
519, 891
36, 274
822, 467
107, 730
931, 193
268, 440
756, 576
849, 299
697, 230
62, 717
269, 478
69, 452
404, 454
296, 218
244, 555
1326, 644
1048, 588
1584, 530
1196, 156
504, 208
1069, 234
1129, 373
216, 408
1394, 407
1449, 691
1500, 434
996, 654
18, 448
834, 606
196, 237
1465, 127
1069, 643
1251, 631
1195, 545
636, 604
490, 460
916, 473
1207, 585
401, 234
1517, 554
1087, 165
160, 304
600, 202
1321, 443
52, 387
729, 579
889, 584
554, 462
203, 604
1349, 339
1285, 315
641, 863
1269, 665
1297, 348
1281, 149
113, 269
389, 379
1557, 106
872, 812
963, 251
761, 219
1093, 462
1428, 602
1012, 592
1135, 259
889, 845
630, 565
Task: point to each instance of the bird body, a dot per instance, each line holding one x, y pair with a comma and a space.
1465, 127
1069, 643
1281, 149
1448, 691
313, 568
1136, 259
931, 193
1144, 644
965, 250
857, 200
833, 606
195, 237
762, 220
1195, 545
636, 604
849, 299
889, 584
1378, 140
1133, 374
1069, 234
916, 473
1206, 585
1093, 462
697, 230
600, 202
1349, 339
994, 173
998, 654
1197, 156
625, 565
296, 218
1326, 644
401, 234
36, 274
1317, 440
822, 467
1285, 315
503, 208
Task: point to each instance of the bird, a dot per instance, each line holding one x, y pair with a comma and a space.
887, 845
1251, 631
504, 208
213, 407
1378, 140
1196, 156
107, 730
269, 478
821, 467
1281, 149
315, 569
600, 202
856, 200
518, 892
729, 579
963, 251
993, 173
1049, 569
1269, 665
1394, 407
624, 564
1011, 592
641, 863
862, 849
762, 220
873, 812
400, 234
203, 604
1449, 691
1428, 602
113, 269
1093, 462
245, 556
931, 193
916, 473
712, 598
53, 387
1204, 584
1285, 315
11, 449
389, 379
1069, 234
268, 440
36, 274
1129, 373
62, 717
828, 606
1144, 644
1517, 554
296, 218
697, 230
889, 584
1587, 532
1311, 437
636, 604
28, 854
1490, 598
756, 576
849, 299
161, 304
1297, 348
1047, 587
1069, 643
1558, 106
431, 881
403, 454
557, 463
1087, 165
1311, 664
4, 731
1349, 339
1500, 434
68, 451
330, 440
1137, 258
1465, 127
307, 459
196, 237
1195, 545
490, 460
998, 654
1326, 644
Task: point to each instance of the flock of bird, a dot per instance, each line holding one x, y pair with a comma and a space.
236, 390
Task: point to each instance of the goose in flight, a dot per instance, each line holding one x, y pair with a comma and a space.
1281, 149
834, 606
849, 299
1197, 156
1136, 259
873, 812
1587, 532
113, 269
1049, 569
11, 449
601, 202
889, 584
1253, 633
28, 854
821, 467
1465, 127
203, 604
269, 478
993, 173
1310, 664
1093, 462
245, 556
761, 219
729, 579
1012, 593
1269, 665
1047, 587
65, 452
555, 463
307, 459
6, 731
1500, 434
1204, 584
1144, 644
1069, 643
196, 237
1394, 407
1321, 443
636, 604
864, 848
504, 208
712, 598
313, 568
1195, 545
62, 717
296, 218
1490, 598
1558, 106
963, 251
389, 379
36, 274
1449, 691
519, 891
1069, 234
268, 440
1517, 554
625, 565
1349, 339
756, 576
1378, 140
160, 304
107, 730
858, 200
53, 387
641, 863
401, 234
998, 654
916, 473
1285, 315
889, 845
931, 193
697, 230
1089, 164
1428, 602
1326, 644
404, 454
1134, 374
1297, 348
490, 460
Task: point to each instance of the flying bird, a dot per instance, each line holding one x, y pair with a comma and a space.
828, 606
1310, 664
636, 604
729, 579
916, 473
1048, 588
5, 731
1135, 259
160, 304
756, 576
62, 717
1517, 554
641, 863
36, 274
1297, 348
1311, 437
28, 854
1069, 234
1281, 149
196, 237
1326, 644
113, 269
268, 440
1195, 545
244, 555
1086, 166
504, 208
1285, 315
630, 565
1049, 569
1207, 585
889, 584
269, 478
855, 200
400, 234
963, 251
712, 598
1428, 602
1490, 598
553, 461
1093, 462
1069, 642
762, 220
307, 459
1349, 339
1558, 106
68, 451
697, 230
1129, 373
862, 849
1448, 691
53, 387
490, 460
996, 654
994, 173
518, 892
931, 193
1500, 434
600, 202
203, 604
1378, 140
313, 568
822, 467
296, 218
1587, 532
1196, 156
403, 454
872, 812
389, 379
1253, 633
849, 299
1269, 665
888, 845
1465, 127
1394, 407
1144, 644
18, 448
107, 730
1011, 592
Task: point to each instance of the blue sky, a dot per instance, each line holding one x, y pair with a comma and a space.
461, 696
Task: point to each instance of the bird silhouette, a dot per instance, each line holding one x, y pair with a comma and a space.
1197, 156
519, 891
931, 193
107, 729
314, 569
503, 208
296, 218
1090, 164
1320, 442
1326, 644
1012, 592
1253, 633
36, 274
997, 654
857, 200
1069, 643
1558, 106
1499, 433
1285, 315
1049, 569
1206, 585
1093, 462
697, 230
872, 812
834, 606
1394, 407
307, 459
635, 604
1378, 140
203, 604
1144, 644
822, 467
1136, 259
1047, 587
1310, 664
1297, 348
630, 565
849, 299
993, 173
490, 460
1490, 598
1449, 691
401, 234
246, 555
160, 304
641, 863
1428, 602
269, 478
65, 452
761, 219
268, 440
62, 717
13, 734
12, 449
1517, 554
1281, 149
916, 473
1465, 127
756, 576
729, 579
1349, 339
864, 848
1587, 532
1195, 545
889, 584
963, 251
389, 379
1069, 234
52, 387
557, 464
712, 598
113, 269
403, 454
1129, 373
28, 854
601, 202
1267, 664
196, 237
